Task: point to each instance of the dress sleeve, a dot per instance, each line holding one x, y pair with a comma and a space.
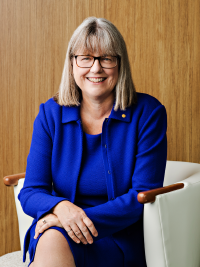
150, 162
36, 195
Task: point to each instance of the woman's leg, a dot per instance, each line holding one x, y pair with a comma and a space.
53, 250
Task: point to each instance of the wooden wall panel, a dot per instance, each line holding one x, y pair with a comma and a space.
162, 38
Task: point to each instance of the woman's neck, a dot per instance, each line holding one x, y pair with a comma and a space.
97, 109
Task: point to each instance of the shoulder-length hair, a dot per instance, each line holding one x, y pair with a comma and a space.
97, 35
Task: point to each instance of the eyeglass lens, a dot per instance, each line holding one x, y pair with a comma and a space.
87, 61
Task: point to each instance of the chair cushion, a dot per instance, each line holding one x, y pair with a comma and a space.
13, 259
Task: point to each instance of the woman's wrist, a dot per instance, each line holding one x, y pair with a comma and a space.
56, 208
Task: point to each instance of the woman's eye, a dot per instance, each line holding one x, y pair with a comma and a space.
86, 59
107, 59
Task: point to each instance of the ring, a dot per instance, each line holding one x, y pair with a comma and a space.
69, 230
44, 221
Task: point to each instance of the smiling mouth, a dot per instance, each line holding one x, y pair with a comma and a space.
96, 80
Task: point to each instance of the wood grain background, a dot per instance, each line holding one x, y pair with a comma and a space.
162, 38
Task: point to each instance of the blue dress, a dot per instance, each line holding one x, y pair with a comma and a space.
134, 150
91, 191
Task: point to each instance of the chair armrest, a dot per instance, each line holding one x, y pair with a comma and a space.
150, 195
13, 179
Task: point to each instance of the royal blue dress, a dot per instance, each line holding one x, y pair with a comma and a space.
91, 191
134, 152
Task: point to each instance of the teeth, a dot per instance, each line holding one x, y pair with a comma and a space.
96, 80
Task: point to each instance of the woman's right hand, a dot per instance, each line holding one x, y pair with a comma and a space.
74, 220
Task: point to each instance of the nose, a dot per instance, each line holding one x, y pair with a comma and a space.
96, 67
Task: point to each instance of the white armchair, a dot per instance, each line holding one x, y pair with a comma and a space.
172, 221
171, 217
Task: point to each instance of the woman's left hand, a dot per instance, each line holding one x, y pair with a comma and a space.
46, 222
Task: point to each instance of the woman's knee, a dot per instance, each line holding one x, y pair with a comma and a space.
54, 239
55, 245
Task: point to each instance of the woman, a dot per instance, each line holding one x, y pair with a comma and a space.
95, 145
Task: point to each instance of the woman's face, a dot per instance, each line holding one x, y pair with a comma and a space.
86, 79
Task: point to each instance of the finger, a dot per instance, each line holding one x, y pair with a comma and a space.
37, 228
36, 234
72, 235
41, 228
90, 226
78, 233
69, 231
85, 232
45, 226
40, 223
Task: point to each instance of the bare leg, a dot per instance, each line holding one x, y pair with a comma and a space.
53, 250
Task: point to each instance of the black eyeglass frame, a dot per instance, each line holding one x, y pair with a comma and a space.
118, 57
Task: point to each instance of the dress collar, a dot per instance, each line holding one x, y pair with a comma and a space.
122, 115
70, 113
73, 114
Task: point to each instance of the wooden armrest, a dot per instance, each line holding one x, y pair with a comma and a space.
13, 179
150, 195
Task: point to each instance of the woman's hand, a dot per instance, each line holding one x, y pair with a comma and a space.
46, 222
75, 222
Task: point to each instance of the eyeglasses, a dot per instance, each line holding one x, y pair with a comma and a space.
106, 62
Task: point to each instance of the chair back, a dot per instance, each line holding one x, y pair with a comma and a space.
177, 171
24, 220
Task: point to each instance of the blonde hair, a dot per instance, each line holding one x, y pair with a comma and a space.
97, 35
